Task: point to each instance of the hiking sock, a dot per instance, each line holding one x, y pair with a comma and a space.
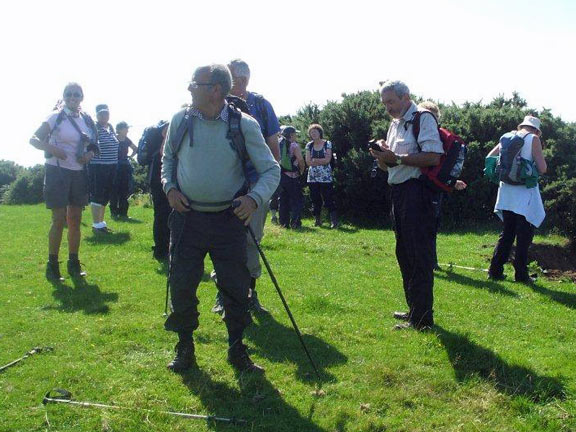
53, 258
234, 336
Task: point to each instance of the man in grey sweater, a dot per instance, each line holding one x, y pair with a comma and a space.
201, 177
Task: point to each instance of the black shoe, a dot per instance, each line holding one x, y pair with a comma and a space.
402, 316
240, 360
75, 269
496, 277
410, 326
185, 357
528, 280
53, 272
254, 305
218, 307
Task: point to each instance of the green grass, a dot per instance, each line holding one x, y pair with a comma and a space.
502, 358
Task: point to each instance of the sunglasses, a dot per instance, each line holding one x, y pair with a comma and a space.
194, 84
73, 94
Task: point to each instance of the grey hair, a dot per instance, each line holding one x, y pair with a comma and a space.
219, 74
240, 68
397, 87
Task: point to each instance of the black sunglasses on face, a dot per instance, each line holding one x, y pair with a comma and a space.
75, 94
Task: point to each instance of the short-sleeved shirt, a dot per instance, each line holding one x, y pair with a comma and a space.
264, 114
66, 137
319, 173
402, 141
123, 148
108, 144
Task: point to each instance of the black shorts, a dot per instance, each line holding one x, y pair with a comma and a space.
64, 187
101, 181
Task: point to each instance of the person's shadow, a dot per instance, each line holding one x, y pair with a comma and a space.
486, 285
564, 298
115, 238
256, 401
83, 296
280, 344
471, 361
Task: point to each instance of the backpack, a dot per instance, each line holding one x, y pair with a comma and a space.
286, 161
89, 145
443, 176
310, 147
150, 143
237, 140
510, 167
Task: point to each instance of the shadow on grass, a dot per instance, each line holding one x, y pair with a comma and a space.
83, 296
486, 285
128, 220
471, 361
115, 238
257, 401
280, 344
564, 298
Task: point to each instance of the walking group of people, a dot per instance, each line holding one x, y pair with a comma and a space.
213, 170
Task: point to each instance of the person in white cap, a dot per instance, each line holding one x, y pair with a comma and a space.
520, 207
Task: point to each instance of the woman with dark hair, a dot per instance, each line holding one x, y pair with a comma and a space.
68, 139
318, 157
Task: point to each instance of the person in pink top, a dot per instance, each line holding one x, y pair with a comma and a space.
68, 139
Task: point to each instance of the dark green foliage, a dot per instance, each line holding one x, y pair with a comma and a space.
8, 172
140, 176
350, 123
27, 188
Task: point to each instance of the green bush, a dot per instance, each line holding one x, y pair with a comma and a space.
27, 188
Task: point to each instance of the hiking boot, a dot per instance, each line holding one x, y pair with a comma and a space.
185, 357
218, 307
334, 220
254, 305
75, 269
402, 316
410, 326
318, 221
53, 272
527, 280
496, 277
240, 360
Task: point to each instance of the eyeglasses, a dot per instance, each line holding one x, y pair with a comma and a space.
75, 94
194, 84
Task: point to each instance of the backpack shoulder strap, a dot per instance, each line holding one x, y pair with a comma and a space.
184, 127
415, 122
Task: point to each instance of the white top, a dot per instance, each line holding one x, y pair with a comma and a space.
518, 198
66, 137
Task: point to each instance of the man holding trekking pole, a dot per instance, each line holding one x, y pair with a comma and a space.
203, 172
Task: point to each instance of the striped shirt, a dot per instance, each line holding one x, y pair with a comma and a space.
108, 144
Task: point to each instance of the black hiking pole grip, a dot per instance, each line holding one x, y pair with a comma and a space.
275, 283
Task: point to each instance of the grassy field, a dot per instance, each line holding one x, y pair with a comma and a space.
502, 357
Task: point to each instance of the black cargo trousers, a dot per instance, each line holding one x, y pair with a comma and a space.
415, 229
193, 235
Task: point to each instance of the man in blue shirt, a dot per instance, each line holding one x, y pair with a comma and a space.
264, 114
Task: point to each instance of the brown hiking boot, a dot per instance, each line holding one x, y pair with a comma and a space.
240, 360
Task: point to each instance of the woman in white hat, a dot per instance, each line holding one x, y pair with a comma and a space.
520, 207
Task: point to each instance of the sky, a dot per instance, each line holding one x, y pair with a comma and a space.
138, 56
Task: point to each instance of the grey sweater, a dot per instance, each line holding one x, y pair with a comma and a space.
210, 171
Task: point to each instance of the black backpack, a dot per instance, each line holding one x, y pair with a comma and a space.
150, 143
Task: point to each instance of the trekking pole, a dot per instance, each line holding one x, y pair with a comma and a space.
451, 265
35, 350
275, 282
65, 397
